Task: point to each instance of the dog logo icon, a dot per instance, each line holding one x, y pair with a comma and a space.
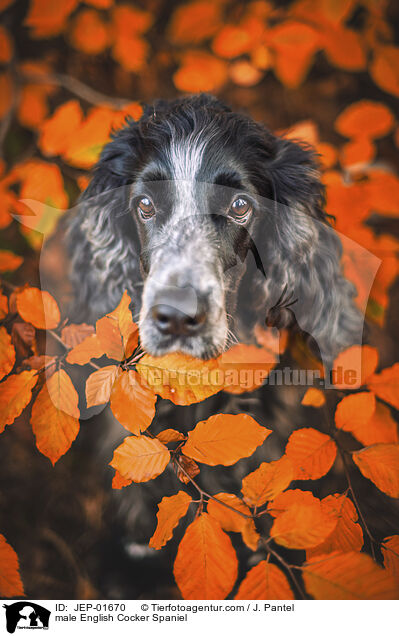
26, 615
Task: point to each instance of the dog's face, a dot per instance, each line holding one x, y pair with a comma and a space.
206, 217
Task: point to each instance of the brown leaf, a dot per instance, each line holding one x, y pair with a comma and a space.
73, 335
23, 338
188, 466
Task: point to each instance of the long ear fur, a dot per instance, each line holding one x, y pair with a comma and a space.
101, 241
306, 253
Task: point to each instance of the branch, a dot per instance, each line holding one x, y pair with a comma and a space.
76, 87
286, 567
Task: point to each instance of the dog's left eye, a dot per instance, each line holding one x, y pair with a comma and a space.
240, 209
146, 208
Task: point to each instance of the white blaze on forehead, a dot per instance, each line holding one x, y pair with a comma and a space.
186, 159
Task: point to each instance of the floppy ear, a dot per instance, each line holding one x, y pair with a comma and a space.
306, 252
101, 237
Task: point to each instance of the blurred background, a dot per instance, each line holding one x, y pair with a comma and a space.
325, 71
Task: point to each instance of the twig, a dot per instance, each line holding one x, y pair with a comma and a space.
203, 493
285, 565
76, 87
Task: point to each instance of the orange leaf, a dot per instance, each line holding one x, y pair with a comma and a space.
86, 141
170, 511
384, 68
240, 358
170, 435
284, 500
380, 464
302, 526
140, 458
3, 306
265, 581
312, 453
267, 481
10, 579
200, 71
38, 307
206, 564
354, 411
99, 385
224, 439
313, 397
386, 385
186, 468
232, 41
347, 535
132, 402
9, 261
128, 329
48, 19
83, 352
15, 394
365, 119
244, 74
55, 132
180, 378
358, 151
110, 338
130, 20
390, 552
7, 353
231, 521
130, 52
55, 416
344, 48
89, 33
194, 22
73, 334
5, 46
361, 361
119, 482
294, 44
350, 576
32, 106
6, 93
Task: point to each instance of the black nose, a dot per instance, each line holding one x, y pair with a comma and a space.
172, 321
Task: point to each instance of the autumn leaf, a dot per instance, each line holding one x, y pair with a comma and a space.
9, 261
344, 48
357, 152
362, 360
349, 576
83, 352
180, 378
206, 564
73, 334
231, 521
224, 439
390, 552
354, 411
200, 71
10, 578
384, 68
170, 511
313, 397
55, 414
244, 74
311, 453
132, 402
55, 132
241, 357
286, 499
3, 305
186, 469
232, 41
265, 581
7, 353
15, 395
194, 22
116, 332
6, 46
99, 385
294, 44
140, 458
119, 482
170, 435
386, 385
87, 140
267, 481
380, 464
46, 19
365, 119
302, 526
89, 33
38, 307
347, 535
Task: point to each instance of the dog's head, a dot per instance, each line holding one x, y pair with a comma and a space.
208, 219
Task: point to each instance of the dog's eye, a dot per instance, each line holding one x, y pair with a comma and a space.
240, 209
146, 208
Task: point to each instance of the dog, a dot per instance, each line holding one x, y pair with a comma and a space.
214, 226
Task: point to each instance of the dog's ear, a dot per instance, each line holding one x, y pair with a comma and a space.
306, 252
101, 241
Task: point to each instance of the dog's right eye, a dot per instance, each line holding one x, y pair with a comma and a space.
145, 208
